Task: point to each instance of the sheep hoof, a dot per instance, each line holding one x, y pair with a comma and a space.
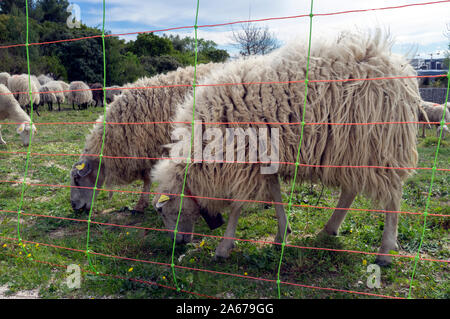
279, 236
224, 250
221, 255
324, 233
383, 261
136, 212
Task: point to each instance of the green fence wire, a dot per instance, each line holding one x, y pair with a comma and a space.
188, 160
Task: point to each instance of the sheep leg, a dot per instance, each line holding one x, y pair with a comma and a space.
423, 130
335, 221
389, 239
142, 204
283, 223
224, 248
2, 141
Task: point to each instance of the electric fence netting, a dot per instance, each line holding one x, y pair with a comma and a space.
283, 272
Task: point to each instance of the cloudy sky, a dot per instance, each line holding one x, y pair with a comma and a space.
416, 29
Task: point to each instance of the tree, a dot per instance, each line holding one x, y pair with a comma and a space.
253, 40
207, 50
52, 10
151, 45
15, 6
159, 64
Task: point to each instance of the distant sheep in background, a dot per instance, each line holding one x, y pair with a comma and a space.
111, 92
4, 78
10, 109
97, 95
43, 79
19, 85
80, 94
65, 88
349, 56
435, 112
51, 93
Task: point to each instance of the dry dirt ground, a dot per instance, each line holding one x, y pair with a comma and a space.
26, 294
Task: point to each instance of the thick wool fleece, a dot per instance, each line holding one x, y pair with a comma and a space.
149, 103
350, 57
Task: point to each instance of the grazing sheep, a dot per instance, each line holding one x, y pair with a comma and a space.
97, 95
66, 88
111, 92
51, 92
47, 97
10, 109
19, 85
435, 112
143, 140
43, 79
80, 94
4, 78
350, 56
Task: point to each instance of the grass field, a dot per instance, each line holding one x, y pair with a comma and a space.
346, 271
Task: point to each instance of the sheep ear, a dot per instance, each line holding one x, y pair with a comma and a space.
21, 128
82, 168
162, 201
213, 221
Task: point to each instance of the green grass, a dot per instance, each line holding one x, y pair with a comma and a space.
361, 231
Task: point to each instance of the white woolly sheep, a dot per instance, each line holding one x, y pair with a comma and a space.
51, 92
10, 109
19, 85
127, 140
435, 112
4, 76
350, 56
80, 94
66, 88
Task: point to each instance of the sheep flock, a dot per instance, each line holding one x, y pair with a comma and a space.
272, 91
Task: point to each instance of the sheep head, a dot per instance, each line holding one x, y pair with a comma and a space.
82, 180
24, 130
168, 207
169, 177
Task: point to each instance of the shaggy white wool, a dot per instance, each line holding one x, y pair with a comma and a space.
351, 56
